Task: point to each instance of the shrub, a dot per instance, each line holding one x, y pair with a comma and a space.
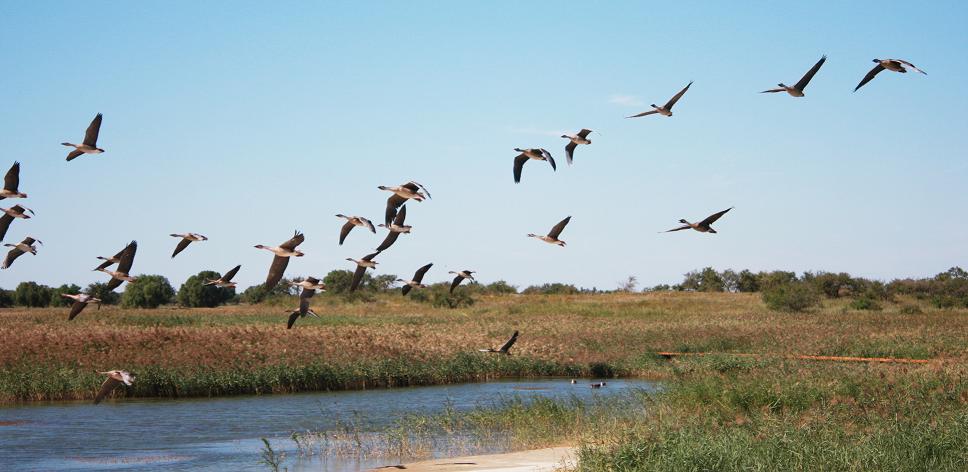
148, 291
194, 292
910, 309
339, 281
864, 303
31, 294
500, 288
6, 298
55, 295
258, 293
551, 289
791, 296
100, 291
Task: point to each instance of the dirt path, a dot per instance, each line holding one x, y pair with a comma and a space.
543, 460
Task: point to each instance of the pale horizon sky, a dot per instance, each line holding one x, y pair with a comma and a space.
244, 121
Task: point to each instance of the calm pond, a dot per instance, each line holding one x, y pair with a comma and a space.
224, 433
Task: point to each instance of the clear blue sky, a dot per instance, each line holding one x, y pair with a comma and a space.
245, 121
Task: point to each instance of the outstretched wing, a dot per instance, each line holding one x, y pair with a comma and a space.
389, 240
11, 256
76, 309
357, 278
345, 230
126, 259
518, 165
5, 221
802, 84
570, 151
870, 76
551, 160
276, 270
181, 246
419, 274
406, 289
456, 282
74, 154
644, 113
584, 133
296, 240
106, 388
672, 101
902, 61
712, 218
369, 225
369, 257
228, 275
556, 230
292, 319
510, 342
401, 216
90, 136
11, 181
679, 228
393, 203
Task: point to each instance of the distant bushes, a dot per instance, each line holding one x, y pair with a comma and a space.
948, 289
148, 291
793, 296
194, 292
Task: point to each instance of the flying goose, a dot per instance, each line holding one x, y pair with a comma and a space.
506, 347
11, 182
574, 141
80, 301
895, 65
702, 226
225, 281
552, 237
109, 260
309, 286
300, 312
361, 266
16, 211
125, 260
186, 239
27, 245
538, 154
664, 110
402, 193
461, 275
89, 146
115, 378
797, 90
352, 221
396, 227
282, 254
415, 282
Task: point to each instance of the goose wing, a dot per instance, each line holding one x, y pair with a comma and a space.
401, 216
76, 309
11, 256
368, 224
556, 230
5, 221
870, 76
679, 228
518, 165
419, 274
276, 270
902, 61
415, 186
406, 289
296, 240
126, 259
369, 257
90, 136
106, 388
570, 152
306, 293
712, 218
181, 246
456, 282
510, 342
584, 133
112, 260
74, 154
802, 84
551, 160
773, 90
11, 181
388, 241
672, 101
345, 230
644, 113
228, 275
357, 278
393, 203
292, 319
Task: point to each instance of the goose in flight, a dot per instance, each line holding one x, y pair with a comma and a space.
361, 266
461, 275
115, 378
309, 286
505, 349
704, 225
27, 245
89, 146
225, 281
125, 260
664, 110
538, 154
396, 227
894, 65
574, 141
16, 211
282, 254
351, 222
552, 236
80, 301
797, 90
11, 183
109, 260
300, 312
186, 239
401, 193
415, 282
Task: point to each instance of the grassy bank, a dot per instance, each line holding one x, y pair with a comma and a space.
246, 349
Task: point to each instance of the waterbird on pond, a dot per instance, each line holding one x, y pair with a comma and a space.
309, 287
704, 225
225, 281
504, 349
415, 282
11, 183
395, 227
351, 222
282, 254
797, 90
16, 211
664, 110
538, 154
574, 141
552, 236
573, 381
361, 266
115, 378
597, 385
125, 260
80, 301
89, 146
27, 245
461, 275
300, 312
401, 193
894, 65
186, 239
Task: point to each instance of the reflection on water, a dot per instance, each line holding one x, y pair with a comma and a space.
224, 434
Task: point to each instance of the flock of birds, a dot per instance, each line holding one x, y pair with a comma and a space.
394, 222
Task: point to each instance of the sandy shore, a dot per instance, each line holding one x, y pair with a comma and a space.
543, 460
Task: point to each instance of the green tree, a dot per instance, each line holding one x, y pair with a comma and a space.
100, 291
194, 292
6, 298
383, 282
258, 293
55, 295
747, 282
148, 291
339, 281
500, 288
31, 294
556, 288
710, 281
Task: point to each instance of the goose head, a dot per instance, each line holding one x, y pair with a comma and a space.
259, 246
532, 235
383, 187
684, 222
298, 253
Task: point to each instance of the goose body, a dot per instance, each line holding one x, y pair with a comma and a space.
125, 261
115, 378
401, 193
282, 254
416, 281
703, 226
353, 222
573, 141
396, 228
225, 281
894, 65
459, 277
552, 236
797, 89
80, 301
186, 239
664, 110
11, 183
537, 154
89, 146
366, 262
